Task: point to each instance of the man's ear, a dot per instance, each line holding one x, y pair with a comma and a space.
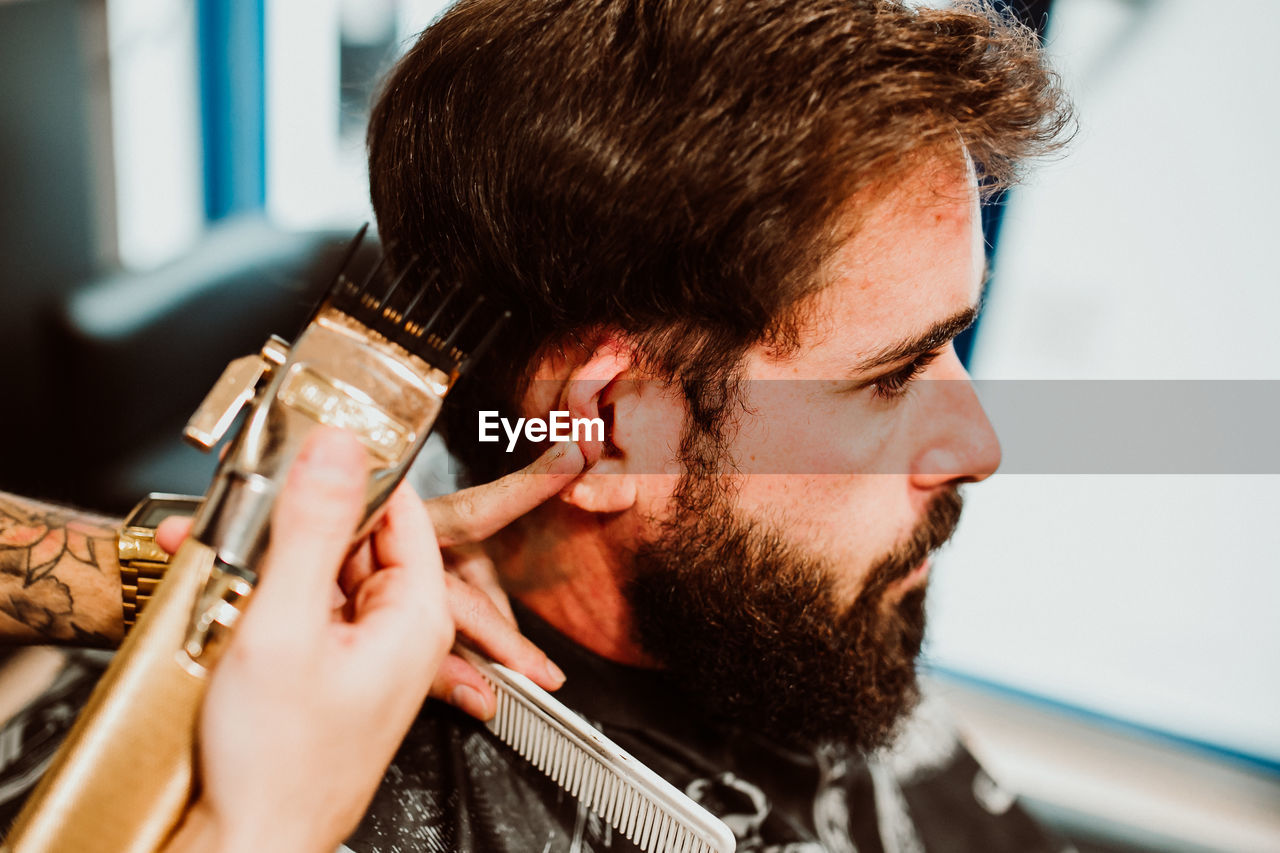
591, 391
585, 393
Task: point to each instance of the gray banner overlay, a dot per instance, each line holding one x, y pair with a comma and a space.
1135, 427
1044, 426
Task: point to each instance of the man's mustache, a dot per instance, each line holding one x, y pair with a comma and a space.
934, 530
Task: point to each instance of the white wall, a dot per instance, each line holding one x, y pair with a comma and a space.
1147, 253
154, 74
316, 176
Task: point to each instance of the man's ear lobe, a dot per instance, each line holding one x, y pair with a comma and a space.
602, 491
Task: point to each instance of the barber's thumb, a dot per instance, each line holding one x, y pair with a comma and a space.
315, 518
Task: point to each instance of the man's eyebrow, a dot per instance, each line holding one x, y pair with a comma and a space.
936, 336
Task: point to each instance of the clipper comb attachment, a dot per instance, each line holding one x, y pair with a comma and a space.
429, 320
426, 321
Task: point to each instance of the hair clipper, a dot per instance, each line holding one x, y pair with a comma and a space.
373, 359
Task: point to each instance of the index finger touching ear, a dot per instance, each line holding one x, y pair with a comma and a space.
481, 511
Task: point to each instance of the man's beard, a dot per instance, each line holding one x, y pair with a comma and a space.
752, 630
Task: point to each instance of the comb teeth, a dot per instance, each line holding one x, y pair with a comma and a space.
438, 330
646, 809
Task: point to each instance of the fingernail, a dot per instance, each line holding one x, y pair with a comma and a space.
554, 673
568, 459
469, 700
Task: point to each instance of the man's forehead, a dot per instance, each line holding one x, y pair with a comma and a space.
912, 271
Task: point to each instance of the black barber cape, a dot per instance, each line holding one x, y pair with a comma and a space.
454, 788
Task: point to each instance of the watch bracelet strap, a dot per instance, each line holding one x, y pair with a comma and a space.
142, 561
138, 581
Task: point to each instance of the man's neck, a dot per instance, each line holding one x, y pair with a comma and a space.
560, 566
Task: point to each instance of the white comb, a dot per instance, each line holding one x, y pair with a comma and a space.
637, 802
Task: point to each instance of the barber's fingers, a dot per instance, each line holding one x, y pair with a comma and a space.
401, 574
468, 562
462, 686
398, 621
359, 565
312, 525
469, 515
172, 531
471, 563
487, 630
477, 513
397, 611
406, 537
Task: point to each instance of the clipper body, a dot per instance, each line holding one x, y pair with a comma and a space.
122, 779
336, 375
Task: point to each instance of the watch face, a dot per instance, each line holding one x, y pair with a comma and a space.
157, 510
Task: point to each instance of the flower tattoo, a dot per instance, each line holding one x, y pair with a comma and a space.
36, 541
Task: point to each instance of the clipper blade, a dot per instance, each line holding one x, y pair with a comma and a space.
416, 309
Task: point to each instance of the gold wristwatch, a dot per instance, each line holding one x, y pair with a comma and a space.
142, 561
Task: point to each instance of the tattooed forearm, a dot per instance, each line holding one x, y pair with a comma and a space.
59, 579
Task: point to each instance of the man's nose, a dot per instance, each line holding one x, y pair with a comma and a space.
959, 443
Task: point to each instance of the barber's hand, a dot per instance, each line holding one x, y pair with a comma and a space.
476, 600
308, 705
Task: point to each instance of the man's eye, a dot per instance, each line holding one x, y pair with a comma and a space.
894, 386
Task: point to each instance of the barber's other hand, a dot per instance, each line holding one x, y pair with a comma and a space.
308, 705
481, 613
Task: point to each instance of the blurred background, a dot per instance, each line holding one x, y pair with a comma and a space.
177, 176
1135, 615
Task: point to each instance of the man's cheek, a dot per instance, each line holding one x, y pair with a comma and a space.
654, 497
818, 513
822, 509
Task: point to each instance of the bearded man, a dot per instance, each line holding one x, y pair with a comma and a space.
743, 235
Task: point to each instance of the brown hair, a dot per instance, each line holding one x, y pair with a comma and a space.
672, 168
